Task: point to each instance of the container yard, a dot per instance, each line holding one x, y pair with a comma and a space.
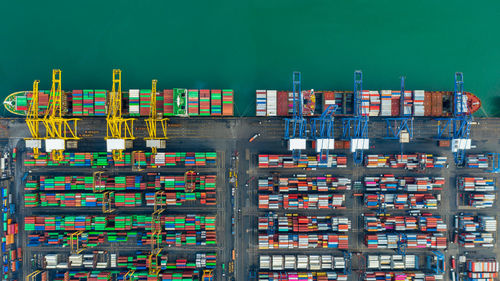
279, 196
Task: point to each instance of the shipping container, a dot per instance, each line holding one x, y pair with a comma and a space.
419, 161
286, 161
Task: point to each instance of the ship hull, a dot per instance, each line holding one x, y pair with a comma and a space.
385, 103
135, 103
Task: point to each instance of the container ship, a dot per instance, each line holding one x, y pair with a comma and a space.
169, 102
385, 103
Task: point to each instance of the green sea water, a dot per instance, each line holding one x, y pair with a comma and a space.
247, 45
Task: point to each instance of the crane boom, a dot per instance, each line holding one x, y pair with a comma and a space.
33, 122
57, 129
118, 129
153, 140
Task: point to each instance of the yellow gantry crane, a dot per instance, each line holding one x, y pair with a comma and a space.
58, 129
33, 122
119, 129
160, 204
129, 276
107, 196
74, 241
153, 140
33, 276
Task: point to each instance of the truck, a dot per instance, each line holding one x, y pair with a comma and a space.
453, 269
254, 137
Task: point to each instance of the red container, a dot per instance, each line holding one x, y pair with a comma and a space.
168, 103
282, 106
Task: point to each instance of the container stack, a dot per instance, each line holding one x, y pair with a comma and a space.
480, 201
77, 99
386, 103
271, 103
389, 182
399, 275
216, 102
476, 184
282, 103
193, 103
144, 102
301, 201
302, 183
407, 161
482, 270
407, 103
479, 161
133, 102
103, 159
286, 161
392, 262
476, 231
396, 103
204, 102
21, 103
168, 102
302, 241
301, 262
365, 103
401, 201
374, 103
412, 241
261, 103
227, 102
418, 103
375, 223
298, 223
88, 102
100, 102
180, 230
292, 276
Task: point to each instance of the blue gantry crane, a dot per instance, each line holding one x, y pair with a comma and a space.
355, 128
322, 131
494, 158
381, 206
401, 127
348, 262
457, 128
438, 258
296, 127
402, 243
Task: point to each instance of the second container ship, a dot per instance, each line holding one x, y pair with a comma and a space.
384, 103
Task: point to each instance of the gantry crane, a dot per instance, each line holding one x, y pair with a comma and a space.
297, 137
58, 129
100, 188
153, 140
322, 131
401, 127
208, 275
355, 129
402, 244
160, 204
34, 275
33, 122
129, 276
190, 180
74, 241
457, 128
119, 130
348, 262
494, 162
436, 262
